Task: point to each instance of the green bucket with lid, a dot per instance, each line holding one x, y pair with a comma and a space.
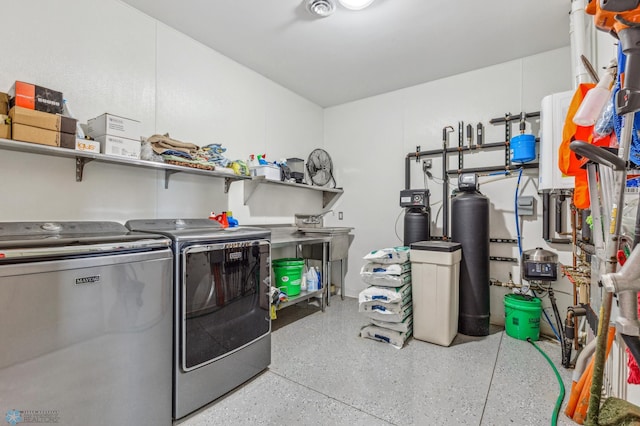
288, 275
522, 316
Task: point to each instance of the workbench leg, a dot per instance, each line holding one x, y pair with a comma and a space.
325, 280
342, 279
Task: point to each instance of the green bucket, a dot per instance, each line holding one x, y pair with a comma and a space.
522, 316
288, 275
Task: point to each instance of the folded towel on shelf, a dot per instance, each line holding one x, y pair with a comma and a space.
163, 143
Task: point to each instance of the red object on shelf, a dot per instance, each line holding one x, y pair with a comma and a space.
221, 218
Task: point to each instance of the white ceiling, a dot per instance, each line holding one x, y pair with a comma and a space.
353, 55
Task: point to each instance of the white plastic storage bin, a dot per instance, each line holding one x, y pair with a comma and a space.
269, 171
435, 272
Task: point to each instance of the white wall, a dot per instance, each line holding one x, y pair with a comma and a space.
108, 57
370, 138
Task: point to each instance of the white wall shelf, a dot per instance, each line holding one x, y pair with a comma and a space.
84, 157
329, 195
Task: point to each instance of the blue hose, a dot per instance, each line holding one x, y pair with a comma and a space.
516, 211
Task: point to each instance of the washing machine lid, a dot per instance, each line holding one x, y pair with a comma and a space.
196, 229
35, 239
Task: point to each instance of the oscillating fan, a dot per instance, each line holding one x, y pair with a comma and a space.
320, 168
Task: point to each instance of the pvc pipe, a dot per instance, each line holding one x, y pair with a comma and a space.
583, 360
577, 35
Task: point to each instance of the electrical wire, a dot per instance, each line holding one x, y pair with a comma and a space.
395, 227
556, 409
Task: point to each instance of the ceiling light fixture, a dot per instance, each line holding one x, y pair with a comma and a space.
321, 8
355, 4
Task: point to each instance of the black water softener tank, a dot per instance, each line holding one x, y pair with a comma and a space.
470, 228
417, 223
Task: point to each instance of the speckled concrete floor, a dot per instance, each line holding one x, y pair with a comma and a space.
322, 373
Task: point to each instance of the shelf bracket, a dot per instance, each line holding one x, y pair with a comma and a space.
80, 162
328, 199
227, 184
167, 175
249, 188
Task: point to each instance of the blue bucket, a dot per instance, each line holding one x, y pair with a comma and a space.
523, 148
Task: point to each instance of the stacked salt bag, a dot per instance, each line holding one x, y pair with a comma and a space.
387, 302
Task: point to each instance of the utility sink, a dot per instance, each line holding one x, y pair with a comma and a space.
326, 230
340, 241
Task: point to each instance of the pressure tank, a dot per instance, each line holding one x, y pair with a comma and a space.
416, 225
470, 228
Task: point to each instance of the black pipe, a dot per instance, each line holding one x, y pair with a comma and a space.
565, 357
586, 247
546, 199
493, 169
435, 152
569, 332
559, 240
445, 195
633, 343
510, 117
559, 203
407, 174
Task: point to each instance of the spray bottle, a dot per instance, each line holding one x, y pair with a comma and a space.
595, 100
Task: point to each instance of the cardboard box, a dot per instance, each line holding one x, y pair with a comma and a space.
4, 104
23, 133
87, 145
44, 120
5, 129
39, 98
122, 147
109, 124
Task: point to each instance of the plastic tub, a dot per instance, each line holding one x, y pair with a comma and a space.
522, 316
288, 275
523, 148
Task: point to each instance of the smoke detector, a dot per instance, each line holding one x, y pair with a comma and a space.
321, 8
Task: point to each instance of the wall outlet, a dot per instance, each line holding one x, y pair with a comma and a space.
339, 215
426, 164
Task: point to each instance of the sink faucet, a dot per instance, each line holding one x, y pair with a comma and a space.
315, 219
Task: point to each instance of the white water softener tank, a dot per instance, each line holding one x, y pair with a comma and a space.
435, 272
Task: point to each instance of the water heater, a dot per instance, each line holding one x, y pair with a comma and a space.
552, 115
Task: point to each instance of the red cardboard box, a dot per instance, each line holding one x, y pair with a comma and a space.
30, 96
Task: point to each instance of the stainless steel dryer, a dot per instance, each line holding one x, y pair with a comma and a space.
85, 324
221, 317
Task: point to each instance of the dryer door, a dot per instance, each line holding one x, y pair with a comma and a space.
225, 302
